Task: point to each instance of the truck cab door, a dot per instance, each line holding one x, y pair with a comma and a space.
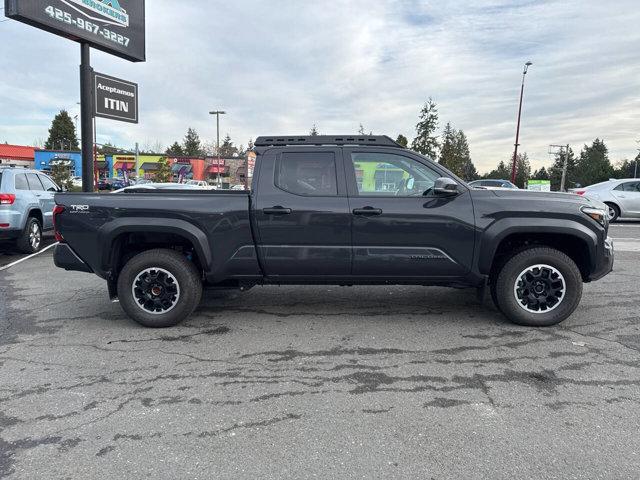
301, 213
402, 230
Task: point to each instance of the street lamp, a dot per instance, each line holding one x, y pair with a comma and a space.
515, 150
217, 113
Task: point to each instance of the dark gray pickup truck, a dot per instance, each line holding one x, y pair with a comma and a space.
337, 210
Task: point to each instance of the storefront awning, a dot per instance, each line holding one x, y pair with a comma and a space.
149, 167
215, 169
177, 167
124, 166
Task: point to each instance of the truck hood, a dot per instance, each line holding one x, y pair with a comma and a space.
549, 196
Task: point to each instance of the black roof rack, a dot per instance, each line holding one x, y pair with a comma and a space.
380, 140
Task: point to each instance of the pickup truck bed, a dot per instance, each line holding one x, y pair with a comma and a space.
341, 211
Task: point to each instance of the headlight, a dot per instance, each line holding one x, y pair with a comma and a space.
600, 216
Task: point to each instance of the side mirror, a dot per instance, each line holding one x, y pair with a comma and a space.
445, 186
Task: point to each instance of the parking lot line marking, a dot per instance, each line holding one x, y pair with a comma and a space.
627, 246
7, 267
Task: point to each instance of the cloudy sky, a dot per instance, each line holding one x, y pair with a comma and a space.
280, 66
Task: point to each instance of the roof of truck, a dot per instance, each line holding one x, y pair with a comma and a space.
317, 140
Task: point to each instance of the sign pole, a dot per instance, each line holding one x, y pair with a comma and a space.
86, 117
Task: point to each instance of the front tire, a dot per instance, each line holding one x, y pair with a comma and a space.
30, 239
538, 287
159, 288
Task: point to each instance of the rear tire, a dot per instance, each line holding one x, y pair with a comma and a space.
538, 287
30, 239
614, 212
159, 288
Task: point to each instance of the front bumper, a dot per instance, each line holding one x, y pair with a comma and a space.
605, 261
65, 257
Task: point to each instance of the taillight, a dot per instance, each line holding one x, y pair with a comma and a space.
7, 198
57, 210
580, 192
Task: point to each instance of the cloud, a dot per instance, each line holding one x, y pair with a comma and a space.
279, 67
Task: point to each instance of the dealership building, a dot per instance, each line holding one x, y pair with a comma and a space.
16, 155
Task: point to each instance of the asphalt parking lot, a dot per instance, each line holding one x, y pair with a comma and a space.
317, 382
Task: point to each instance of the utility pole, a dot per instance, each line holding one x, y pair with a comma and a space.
564, 168
137, 153
515, 150
635, 169
217, 113
559, 150
86, 117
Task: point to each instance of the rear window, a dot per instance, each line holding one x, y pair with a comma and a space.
309, 174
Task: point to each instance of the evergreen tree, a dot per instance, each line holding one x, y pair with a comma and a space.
523, 170
109, 149
163, 173
593, 164
175, 150
314, 131
228, 149
426, 141
250, 144
627, 169
555, 171
62, 134
402, 140
502, 172
448, 157
62, 176
541, 174
467, 170
191, 145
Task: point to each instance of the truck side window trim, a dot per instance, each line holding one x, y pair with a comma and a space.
302, 174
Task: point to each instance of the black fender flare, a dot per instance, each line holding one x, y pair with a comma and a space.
110, 231
501, 229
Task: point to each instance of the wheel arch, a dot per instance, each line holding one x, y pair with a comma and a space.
166, 232
573, 238
37, 214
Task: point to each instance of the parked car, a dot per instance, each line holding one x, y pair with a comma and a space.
337, 210
491, 183
622, 197
112, 184
26, 207
198, 184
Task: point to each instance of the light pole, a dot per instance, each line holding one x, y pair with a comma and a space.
515, 150
217, 113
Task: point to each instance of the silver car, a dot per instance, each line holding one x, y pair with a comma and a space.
26, 207
621, 196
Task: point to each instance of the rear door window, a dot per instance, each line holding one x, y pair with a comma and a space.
34, 183
307, 173
21, 182
631, 186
